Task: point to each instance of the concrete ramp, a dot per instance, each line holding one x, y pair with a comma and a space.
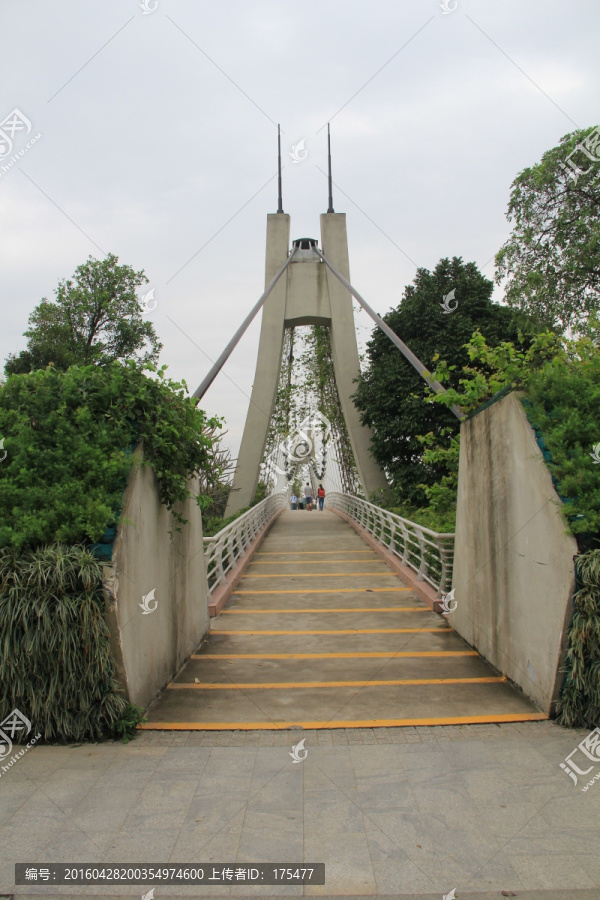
321, 633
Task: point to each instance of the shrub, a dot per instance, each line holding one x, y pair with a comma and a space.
55, 662
579, 705
68, 437
560, 379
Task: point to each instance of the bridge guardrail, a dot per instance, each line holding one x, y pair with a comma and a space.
429, 553
223, 551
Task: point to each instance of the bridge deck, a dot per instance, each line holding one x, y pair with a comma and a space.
320, 633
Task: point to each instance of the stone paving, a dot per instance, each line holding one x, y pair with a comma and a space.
396, 812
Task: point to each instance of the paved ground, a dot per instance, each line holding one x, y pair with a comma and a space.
320, 632
396, 811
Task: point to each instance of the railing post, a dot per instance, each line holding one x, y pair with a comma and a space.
443, 575
405, 549
392, 544
231, 547
446, 574
209, 559
381, 521
219, 561
423, 562
244, 536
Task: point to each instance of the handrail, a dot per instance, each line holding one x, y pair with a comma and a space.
223, 550
429, 553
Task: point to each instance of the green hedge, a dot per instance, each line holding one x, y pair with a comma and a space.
68, 438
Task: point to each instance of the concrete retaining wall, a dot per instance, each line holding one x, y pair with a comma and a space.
150, 648
513, 571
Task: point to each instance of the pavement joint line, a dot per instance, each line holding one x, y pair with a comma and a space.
346, 723
309, 552
374, 654
285, 685
341, 631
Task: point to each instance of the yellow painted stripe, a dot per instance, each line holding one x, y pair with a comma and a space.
284, 685
340, 631
324, 575
373, 654
330, 591
348, 723
366, 609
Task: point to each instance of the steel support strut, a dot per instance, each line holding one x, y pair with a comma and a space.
200, 391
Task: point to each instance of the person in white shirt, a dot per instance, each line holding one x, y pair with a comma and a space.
308, 495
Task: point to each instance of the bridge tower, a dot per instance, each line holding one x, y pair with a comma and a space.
307, 294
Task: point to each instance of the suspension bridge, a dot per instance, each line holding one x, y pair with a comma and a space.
324, 619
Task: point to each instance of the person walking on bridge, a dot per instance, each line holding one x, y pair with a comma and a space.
308, 495
293, 501
321, 497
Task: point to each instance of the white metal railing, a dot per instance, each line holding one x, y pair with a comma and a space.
429, 553
223, 551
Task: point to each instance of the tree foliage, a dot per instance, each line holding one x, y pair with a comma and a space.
560, 379
96, 317
213, 520
391, 396
552, 259
68, 438
438, 509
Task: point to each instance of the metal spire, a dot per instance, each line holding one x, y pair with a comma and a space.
279, 197
331, 209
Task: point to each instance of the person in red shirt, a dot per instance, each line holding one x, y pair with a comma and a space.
321, 497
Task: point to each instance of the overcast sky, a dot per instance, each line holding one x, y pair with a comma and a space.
158, 144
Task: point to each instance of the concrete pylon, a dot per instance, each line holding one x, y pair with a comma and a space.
307, 294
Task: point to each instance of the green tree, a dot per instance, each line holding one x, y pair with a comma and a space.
392, 398
560, 381
552, 259
96, 317
68, 438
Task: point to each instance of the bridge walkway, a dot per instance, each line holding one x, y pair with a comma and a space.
321, 633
